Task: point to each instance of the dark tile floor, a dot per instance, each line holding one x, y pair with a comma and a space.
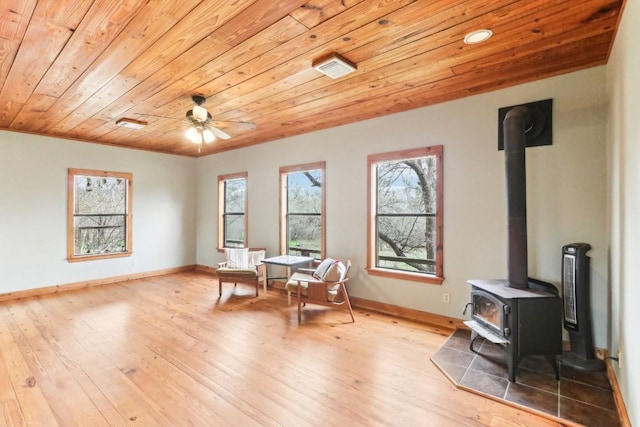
582, 397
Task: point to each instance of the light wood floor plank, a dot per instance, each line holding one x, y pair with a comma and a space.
166, 351
17, 355
52, 368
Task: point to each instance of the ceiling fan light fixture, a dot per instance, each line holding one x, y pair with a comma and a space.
208, 136
478, 36
203, 129
334, 66
193, 135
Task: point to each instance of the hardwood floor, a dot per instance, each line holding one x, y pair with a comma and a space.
164, 351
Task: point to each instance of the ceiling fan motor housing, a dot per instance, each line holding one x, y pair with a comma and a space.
198, 100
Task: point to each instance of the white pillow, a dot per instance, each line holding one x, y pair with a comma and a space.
333, 273
343, 271
322, 269
237, 257
255, 258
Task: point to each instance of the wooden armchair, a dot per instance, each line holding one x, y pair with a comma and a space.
323, 286
242, 266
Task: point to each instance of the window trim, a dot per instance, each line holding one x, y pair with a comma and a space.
374, 159
71, 174
221, 206
282, 220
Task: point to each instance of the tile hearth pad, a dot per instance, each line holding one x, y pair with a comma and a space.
580, 397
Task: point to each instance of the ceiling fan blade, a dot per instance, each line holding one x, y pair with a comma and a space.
219, 133
236, 125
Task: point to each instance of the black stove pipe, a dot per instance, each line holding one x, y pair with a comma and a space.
516, 123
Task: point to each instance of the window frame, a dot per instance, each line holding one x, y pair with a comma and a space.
372, 161
71, 175
283, 225
222, 208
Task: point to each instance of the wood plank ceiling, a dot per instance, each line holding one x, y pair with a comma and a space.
71, 68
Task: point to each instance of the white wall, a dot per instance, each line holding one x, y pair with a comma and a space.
175, 203
624, 206
566, 198
33, 217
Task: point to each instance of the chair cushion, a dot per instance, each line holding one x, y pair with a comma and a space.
237, 272
292, 286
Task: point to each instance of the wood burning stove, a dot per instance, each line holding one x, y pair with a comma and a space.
522, 314
524, 321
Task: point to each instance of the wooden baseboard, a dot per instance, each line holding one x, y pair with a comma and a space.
617, 395
90, 283
448, 324
205, 269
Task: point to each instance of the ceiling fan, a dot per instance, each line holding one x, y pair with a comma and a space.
202, 129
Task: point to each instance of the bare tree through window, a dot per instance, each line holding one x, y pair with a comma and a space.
406, 211
303, 204
234, 203
232, 210
100, 213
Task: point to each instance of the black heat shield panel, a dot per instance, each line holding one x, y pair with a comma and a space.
541, 132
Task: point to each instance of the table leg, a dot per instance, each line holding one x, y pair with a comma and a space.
288, 293
299, 305
264, 283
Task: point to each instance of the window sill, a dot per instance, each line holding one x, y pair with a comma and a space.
96, 257
414, 277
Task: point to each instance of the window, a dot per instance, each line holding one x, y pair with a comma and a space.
99, 214
302, 205
232, 205
405, 214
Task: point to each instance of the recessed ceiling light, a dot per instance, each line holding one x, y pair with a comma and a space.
478, 36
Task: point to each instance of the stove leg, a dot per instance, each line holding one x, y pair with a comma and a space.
474, 336
512, 365
554, 362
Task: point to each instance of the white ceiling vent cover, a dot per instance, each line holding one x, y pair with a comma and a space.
334, 66
131, 123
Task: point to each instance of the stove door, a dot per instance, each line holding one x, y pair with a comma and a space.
490, 311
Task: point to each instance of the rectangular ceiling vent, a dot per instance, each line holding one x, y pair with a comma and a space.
131, 123
334, 66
